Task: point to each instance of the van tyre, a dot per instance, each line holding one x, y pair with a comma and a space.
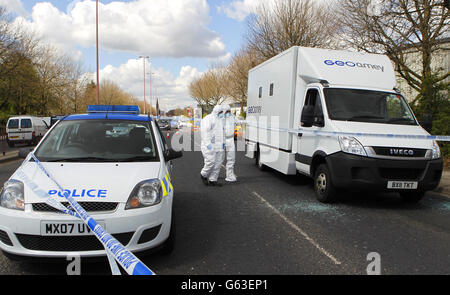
10, 144
323, 185
412, 197
169, 245
259, 164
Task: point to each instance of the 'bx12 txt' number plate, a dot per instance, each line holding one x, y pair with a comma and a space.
63, 228
402, 184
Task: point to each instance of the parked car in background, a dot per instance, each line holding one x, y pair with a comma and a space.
25, 129
175, 123
164, 124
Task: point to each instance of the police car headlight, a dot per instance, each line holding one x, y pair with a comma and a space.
436, 152
12, 195
146, 193
351, 145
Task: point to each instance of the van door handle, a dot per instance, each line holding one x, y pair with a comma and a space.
299, 135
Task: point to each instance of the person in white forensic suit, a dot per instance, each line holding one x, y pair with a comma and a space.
212, 145
230, 148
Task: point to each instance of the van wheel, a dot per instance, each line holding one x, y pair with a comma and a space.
323, 185
10, 144
259, 164
412, 197
169, 245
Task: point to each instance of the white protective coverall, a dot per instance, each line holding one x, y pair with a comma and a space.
230, 125
212, 145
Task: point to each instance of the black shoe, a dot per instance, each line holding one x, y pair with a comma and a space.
205, 180
215, 183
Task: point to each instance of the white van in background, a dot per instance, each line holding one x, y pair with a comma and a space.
25, 129
344, 92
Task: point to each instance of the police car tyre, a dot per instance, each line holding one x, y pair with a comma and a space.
169, 245
323, 186
412, 196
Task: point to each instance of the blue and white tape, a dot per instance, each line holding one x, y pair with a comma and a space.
129, 262
330, 133
358, 134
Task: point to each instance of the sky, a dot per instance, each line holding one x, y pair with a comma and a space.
181, 37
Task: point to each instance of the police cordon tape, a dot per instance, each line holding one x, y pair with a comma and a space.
331, 133
115, 251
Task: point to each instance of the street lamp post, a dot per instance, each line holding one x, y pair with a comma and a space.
151, 96
143, 59
96, 34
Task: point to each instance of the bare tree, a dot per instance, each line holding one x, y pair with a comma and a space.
236, 81
274, 29
209, 90
397, 28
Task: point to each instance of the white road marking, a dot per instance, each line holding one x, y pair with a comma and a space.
299, 230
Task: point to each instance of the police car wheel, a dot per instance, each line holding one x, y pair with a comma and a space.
169, 245
412, 197
323, 186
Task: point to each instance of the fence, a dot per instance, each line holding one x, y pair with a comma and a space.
3, 144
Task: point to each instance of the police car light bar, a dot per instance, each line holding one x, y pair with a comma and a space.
124, 109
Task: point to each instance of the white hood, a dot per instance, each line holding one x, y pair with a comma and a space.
376, 128
93, 182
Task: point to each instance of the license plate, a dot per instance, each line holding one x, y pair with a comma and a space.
14, 137
62, 228
402, 184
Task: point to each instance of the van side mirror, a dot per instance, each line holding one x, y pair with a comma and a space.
427, 122
319, 121
23, 152
307, 118
171, 154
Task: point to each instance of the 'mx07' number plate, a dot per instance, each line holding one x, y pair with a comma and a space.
62, 228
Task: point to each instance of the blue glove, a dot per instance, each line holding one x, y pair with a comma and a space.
209, 147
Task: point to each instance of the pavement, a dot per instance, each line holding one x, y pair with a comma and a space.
270, 223
444, 185
9, 156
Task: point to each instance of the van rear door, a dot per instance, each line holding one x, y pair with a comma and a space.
12, 128
26, 129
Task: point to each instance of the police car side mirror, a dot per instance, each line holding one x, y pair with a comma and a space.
307, 118
171, 154
23, 152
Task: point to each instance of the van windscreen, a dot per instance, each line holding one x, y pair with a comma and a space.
13, 124
367, 106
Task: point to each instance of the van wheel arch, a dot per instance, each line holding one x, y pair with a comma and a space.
318, 158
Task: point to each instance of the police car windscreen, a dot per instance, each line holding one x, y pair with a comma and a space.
367, 106
99, 141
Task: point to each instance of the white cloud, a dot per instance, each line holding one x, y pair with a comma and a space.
14, 6
221, 60
240, 9
159, 28
172, 91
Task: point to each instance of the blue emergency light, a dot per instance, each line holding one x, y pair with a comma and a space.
123, 109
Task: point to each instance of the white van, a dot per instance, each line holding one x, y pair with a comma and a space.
338, 92
25, 129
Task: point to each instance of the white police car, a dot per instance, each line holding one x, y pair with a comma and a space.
122, 179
